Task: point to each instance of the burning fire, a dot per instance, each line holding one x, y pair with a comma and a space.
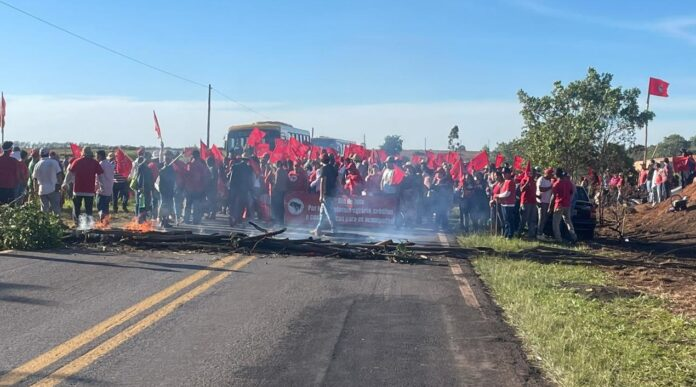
146, 226
103, 224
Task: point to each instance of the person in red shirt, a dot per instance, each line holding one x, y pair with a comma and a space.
528, 205
506, 200
9, 174
563, 191
83, 173
197, 176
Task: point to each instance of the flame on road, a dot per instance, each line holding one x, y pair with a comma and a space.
136, 226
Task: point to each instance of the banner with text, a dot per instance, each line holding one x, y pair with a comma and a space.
302, 208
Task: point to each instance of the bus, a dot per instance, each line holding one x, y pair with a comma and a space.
329, 142
237, 135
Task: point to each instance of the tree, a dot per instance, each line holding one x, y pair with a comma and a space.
509, 150
453, 143
671, 145
393, 145
574, 126
692, 142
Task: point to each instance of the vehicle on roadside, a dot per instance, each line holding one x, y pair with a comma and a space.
330, 142
237, 135
584, 217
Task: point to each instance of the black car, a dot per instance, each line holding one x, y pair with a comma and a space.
583, 216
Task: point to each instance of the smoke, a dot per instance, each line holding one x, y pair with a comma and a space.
85, 222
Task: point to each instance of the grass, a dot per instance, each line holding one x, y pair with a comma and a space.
583, 341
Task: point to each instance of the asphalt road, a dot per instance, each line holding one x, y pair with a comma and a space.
164, 319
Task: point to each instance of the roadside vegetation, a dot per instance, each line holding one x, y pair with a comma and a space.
28, 228
580, 326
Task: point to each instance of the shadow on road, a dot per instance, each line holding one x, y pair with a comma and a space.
6, 286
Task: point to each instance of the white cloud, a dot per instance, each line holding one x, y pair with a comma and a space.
121, 120
680, 27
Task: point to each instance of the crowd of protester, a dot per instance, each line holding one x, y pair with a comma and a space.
186, 188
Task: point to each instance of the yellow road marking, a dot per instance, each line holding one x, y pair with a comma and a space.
109, 345
46, 359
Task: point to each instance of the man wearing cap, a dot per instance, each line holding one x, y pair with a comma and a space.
9, 174
327, 193
543, 193
83, 172
45, 179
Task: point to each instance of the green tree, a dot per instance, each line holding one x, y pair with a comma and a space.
453, 143
393, 145
671, 145
692, 143
509, 150
574, 126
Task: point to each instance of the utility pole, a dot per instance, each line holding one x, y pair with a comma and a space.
645, 151
425, 144
207, 139
364, 140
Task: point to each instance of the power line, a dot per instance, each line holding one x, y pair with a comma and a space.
125, 56
239, 103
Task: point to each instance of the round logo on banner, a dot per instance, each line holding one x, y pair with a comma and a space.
295, 206
292, 178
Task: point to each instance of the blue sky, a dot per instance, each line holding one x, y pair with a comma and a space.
414, 68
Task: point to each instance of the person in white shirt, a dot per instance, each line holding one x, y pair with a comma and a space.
45, 177
105, 185
543, 193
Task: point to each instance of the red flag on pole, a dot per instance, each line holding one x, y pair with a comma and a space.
479, 162
452, 157
415, 159
658, 87
262, 148
203, 150
157, 127
432, 164
499, 160
124, 164
528, 169
517, 163
217, 155
75, 149
255, 137
457, 171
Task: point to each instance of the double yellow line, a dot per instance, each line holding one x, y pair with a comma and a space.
46, 359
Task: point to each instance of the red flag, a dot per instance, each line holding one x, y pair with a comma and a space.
528, 169
452, 157
681, 163
517, 163
262, 149
124, 164
280, 151
316, 152
157, 127
217, 155
479, 162
457, 171
398, 176
76, 152
3, 106
204, 151
658, 87
499, 160
415, 159
432, 163
255, 137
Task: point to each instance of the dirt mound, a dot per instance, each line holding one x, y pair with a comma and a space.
658, 223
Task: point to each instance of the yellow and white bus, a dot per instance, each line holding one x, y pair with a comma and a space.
237, 135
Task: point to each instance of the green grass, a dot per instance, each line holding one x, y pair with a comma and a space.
580, 341
502, 245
